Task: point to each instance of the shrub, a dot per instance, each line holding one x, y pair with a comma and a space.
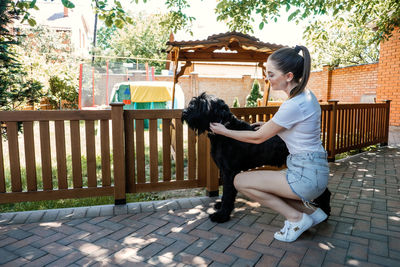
62, 89
255, 94
236, 103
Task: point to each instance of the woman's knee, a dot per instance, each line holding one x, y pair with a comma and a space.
239, 181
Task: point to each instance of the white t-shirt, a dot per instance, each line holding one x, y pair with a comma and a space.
301, 118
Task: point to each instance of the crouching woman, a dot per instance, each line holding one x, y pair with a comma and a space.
297, 122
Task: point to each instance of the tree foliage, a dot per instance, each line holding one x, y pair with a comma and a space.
341, 42
113, 12
236, 103
383, 14
62, 89
46, 56
255, 94
240, 14
15, 88
145, 38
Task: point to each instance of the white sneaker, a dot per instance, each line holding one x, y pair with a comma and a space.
318, 216
292, 230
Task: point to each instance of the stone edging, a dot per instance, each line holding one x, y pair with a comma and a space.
23, 217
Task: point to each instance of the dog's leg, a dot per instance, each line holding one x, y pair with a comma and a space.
324, 202
228, 199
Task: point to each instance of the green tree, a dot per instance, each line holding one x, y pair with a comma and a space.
45, 53
236, 103
145, 38
113, 12
103, 37
15, 88
383, 14
62, 89
341, 42
255, 94
240, 14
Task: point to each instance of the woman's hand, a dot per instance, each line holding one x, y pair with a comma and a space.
257, 125
217, 128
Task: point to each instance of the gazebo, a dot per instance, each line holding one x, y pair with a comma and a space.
224, 47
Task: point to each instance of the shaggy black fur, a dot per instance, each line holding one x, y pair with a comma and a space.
232, 156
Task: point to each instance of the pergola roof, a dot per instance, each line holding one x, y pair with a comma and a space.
238, 47
229, 46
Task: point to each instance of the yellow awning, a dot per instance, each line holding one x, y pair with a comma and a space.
151, 92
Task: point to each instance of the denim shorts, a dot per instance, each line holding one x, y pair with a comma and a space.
307, 174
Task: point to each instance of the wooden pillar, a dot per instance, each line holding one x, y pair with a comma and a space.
327, 82
117, 118
332, 132
212, 174
387, 123
175, 78
169, 57
202, 159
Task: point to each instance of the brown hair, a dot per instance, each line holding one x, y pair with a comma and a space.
288, 60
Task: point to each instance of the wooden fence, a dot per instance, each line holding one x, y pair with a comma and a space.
141, 160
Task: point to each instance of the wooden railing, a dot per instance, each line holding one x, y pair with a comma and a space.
54, 185
354, 126
142, 160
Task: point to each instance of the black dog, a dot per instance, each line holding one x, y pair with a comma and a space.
232, 156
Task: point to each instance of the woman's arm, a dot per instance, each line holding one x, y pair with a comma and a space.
257, 125
265, 132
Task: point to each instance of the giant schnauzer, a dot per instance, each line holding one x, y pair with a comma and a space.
232, 156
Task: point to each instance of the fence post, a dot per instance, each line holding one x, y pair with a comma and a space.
201, 159
387, 123
212, 179
332, 132
117, 119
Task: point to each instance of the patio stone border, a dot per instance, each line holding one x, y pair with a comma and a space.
35, 216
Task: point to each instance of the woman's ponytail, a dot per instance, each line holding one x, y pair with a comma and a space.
306, 71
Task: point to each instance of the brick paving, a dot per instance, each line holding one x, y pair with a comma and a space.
363, 230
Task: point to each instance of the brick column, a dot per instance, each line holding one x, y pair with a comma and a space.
389, 75
246, 86
327, 82
194, 84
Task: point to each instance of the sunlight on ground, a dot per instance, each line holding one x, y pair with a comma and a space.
353, 262
176, 229
327, 246
371, 189
394, 218
51, 224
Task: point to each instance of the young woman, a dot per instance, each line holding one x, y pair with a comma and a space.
297, 122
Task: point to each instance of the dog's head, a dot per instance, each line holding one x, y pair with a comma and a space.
204, 109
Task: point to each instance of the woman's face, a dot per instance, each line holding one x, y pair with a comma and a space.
277, 79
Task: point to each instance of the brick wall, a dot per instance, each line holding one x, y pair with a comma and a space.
346, 84
226, 88
317, 83
389, 75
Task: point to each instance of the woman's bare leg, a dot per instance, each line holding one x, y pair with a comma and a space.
299, 205
269, 188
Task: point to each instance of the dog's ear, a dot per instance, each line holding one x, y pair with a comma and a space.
196, 115
221, 111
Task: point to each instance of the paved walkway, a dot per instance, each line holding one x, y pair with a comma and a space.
364, 229
394, 135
